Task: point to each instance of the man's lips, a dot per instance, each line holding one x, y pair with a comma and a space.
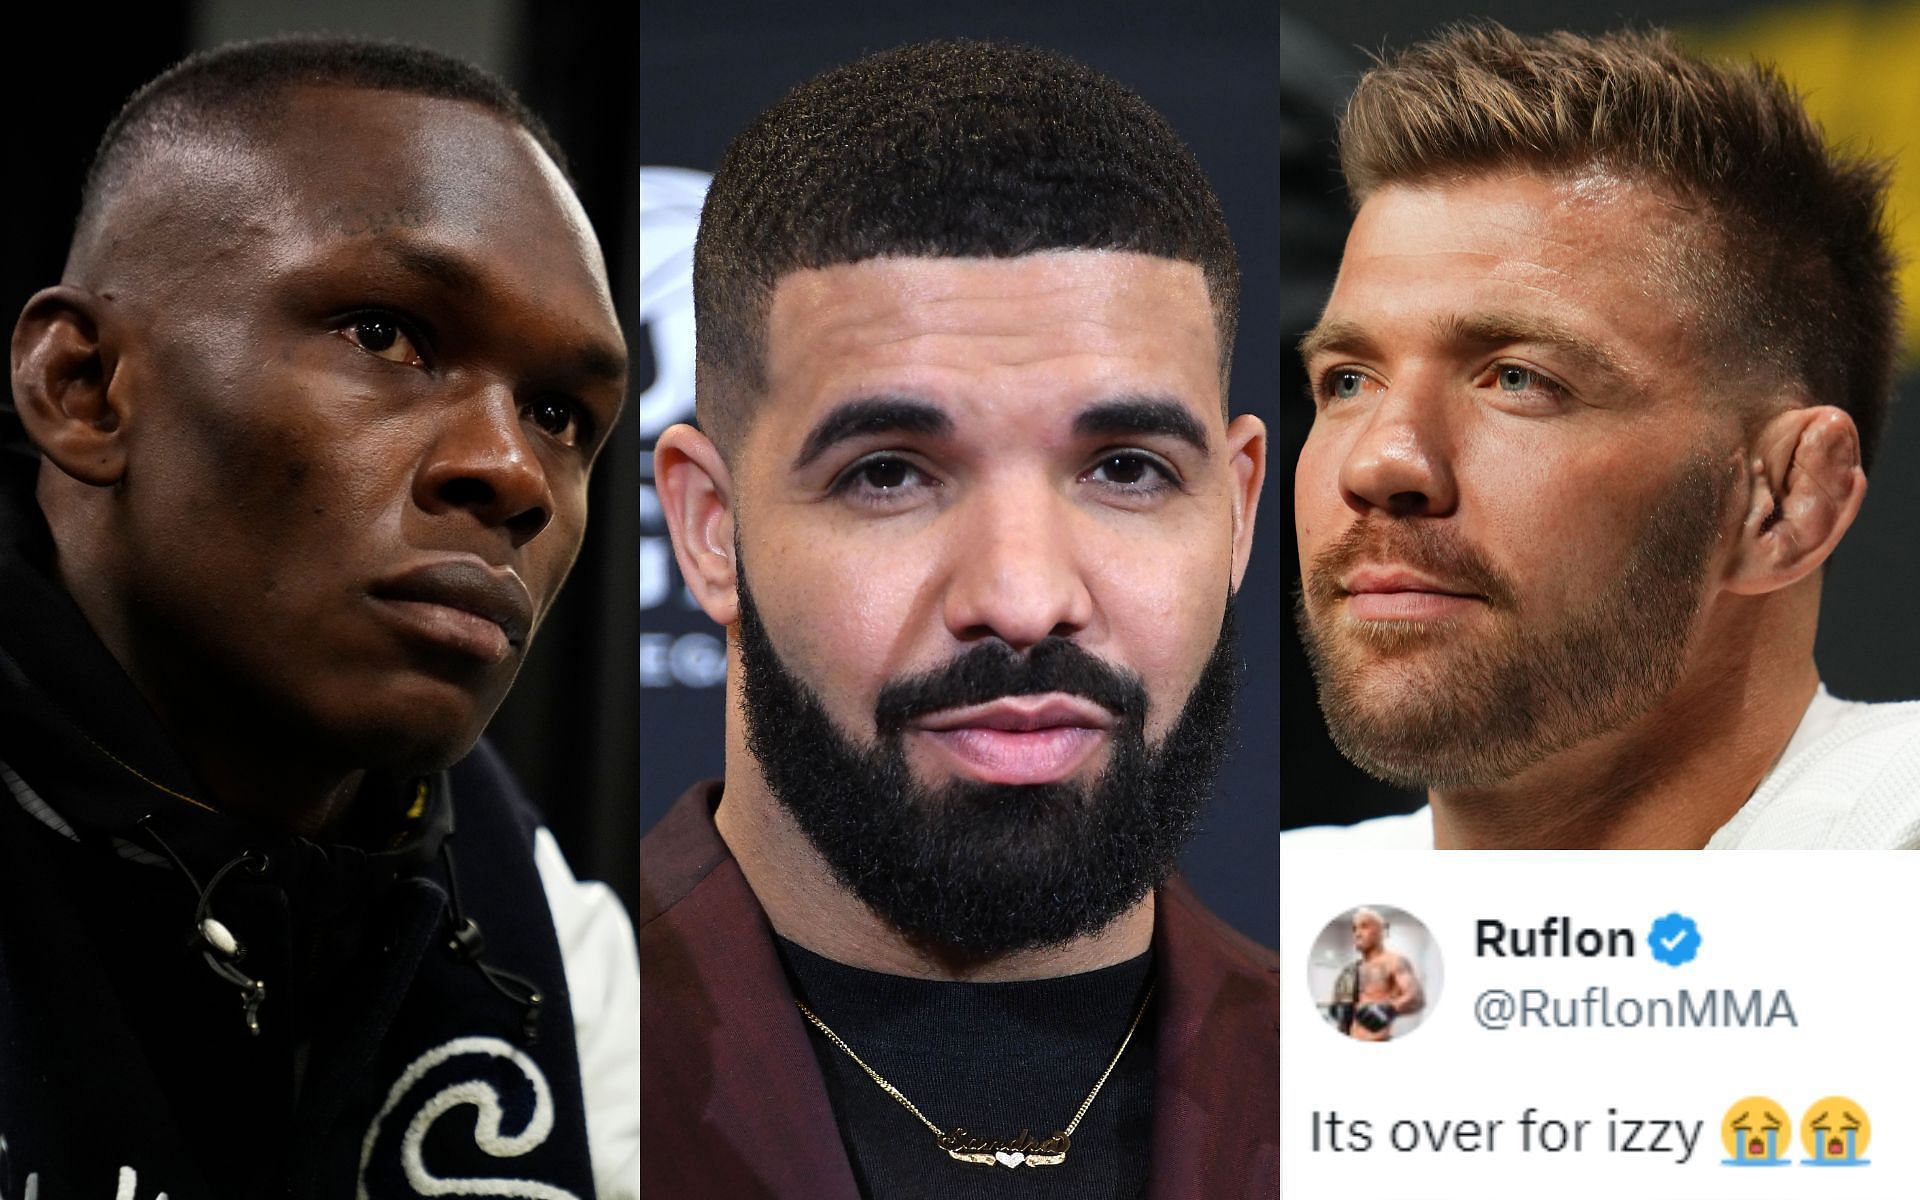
461, 604
1020, 714
1401, 594
1018, 739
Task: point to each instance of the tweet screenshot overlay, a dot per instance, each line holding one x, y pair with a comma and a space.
1663, 1026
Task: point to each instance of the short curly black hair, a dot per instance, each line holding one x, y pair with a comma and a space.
243, 84
942, 150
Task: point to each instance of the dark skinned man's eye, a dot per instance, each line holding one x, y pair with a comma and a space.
382, 337
557, 417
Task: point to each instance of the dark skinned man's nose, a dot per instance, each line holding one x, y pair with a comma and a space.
485, 461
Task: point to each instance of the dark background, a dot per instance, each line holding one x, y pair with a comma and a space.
708, 69
568, 725
1869, 642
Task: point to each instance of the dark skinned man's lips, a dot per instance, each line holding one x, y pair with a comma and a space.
1392, 593
459, 604
1017, 739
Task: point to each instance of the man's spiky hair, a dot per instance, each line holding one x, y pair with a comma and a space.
1794, 276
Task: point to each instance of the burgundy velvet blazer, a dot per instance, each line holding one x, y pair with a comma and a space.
732, 1104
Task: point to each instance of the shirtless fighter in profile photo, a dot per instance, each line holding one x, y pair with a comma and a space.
1379, 988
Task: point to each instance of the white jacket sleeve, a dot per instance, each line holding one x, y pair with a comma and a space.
603, 977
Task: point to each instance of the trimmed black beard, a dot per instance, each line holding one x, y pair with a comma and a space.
970, 869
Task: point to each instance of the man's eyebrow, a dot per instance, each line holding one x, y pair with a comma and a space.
869, 415
1340, 336
597, 362
593, 361
448, 270
1141, 416
1505, 329
1335, 335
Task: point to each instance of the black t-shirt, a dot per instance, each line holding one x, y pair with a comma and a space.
994, 1059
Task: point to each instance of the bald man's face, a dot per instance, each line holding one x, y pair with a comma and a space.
367, 363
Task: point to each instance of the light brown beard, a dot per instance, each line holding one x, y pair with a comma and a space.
1476, 709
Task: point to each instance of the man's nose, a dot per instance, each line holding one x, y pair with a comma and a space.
1015, 572
1401, 461
484, 462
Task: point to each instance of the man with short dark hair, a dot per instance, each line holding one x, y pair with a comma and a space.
970, 505
1596, 393
296, 464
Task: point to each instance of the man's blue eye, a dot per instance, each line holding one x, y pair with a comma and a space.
1517, 379
1347, 384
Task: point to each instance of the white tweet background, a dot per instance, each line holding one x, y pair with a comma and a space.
1836, 930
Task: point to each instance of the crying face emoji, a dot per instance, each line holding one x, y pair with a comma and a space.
1835, 1132
1756, 1133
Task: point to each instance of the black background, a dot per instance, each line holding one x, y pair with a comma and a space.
568, 726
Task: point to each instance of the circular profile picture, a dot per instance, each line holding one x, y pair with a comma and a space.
1375, 973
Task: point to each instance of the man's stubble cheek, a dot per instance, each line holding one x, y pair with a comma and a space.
1473, 710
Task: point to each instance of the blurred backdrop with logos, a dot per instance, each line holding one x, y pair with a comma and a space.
707, 70
1858, 67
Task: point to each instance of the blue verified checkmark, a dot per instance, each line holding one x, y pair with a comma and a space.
1675, 939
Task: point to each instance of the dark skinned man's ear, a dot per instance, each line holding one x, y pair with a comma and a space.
61, 372
1807, 485
696, 494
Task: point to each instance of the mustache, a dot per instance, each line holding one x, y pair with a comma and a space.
993, 670
1422, 545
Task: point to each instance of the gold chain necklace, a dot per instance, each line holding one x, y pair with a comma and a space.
965, 1147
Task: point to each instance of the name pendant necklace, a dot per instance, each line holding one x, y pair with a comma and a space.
961, 1146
